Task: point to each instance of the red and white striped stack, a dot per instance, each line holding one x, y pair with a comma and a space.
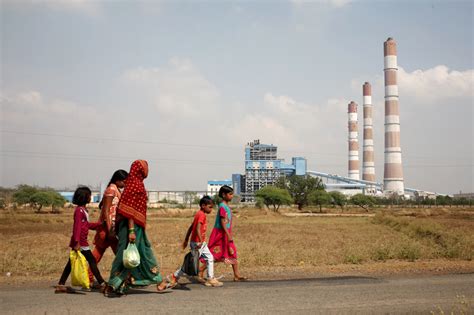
393, 170
353, 141
368, 164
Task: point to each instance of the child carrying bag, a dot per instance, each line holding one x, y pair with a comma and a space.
131, 256
79, 269
191, 263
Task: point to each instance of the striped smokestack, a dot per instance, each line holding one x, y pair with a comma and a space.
368, 165
353, 141
393, 171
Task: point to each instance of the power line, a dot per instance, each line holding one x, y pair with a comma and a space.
33, 154
30, 154
98, 139
114, 139
192, 145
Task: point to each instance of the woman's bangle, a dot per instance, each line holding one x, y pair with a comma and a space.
131, 230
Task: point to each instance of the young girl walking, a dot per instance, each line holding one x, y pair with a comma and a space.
81, 227
221, 242
105, 235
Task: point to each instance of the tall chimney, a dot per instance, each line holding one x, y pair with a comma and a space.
368, 164
393, 171
353, 141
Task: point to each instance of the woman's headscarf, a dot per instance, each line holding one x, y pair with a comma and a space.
132, 205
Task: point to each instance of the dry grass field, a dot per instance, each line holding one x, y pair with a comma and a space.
35, 246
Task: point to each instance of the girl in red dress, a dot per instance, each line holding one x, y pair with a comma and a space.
221, 242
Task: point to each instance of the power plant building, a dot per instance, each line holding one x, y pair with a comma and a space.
213, 186
263, 168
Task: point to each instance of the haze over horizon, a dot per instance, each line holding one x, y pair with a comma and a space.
89, 86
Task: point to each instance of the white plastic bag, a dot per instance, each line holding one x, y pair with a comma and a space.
131, 257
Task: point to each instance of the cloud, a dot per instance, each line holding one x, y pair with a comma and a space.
28, 107
430, 86
237, 8
261, 126
177, 90
332, 3
436, 84
154, 7
87, 7
295, 125
340, 3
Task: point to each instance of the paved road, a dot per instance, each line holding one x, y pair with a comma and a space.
333, 295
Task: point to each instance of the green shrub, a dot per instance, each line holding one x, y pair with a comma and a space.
353, 259
381, 254
409, 252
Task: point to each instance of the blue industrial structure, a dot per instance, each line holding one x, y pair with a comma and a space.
238, 183
213, 186
262, 168
69, 194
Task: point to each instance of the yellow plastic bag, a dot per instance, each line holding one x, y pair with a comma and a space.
79, 269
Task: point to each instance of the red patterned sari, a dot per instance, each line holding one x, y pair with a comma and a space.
133, 201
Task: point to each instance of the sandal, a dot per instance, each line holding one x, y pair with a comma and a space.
61, 288
103, 287
167, 286
240, 279
110, 292
200, 280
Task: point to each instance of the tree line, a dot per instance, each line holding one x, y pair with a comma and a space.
305, 191
35, 197
301, 191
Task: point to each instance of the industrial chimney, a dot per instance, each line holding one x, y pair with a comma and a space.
353, 141
393, 171
368, 164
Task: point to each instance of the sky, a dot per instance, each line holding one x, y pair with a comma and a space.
87, 87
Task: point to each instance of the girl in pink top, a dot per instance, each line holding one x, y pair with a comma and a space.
81, 227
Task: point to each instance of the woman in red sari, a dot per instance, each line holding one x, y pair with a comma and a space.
105, 236
130, 224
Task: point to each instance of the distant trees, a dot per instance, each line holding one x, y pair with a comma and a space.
6, 196
320, 198
274, 197
338, 199
38, 198
300, 188
363, 201
23, 194
190, 197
